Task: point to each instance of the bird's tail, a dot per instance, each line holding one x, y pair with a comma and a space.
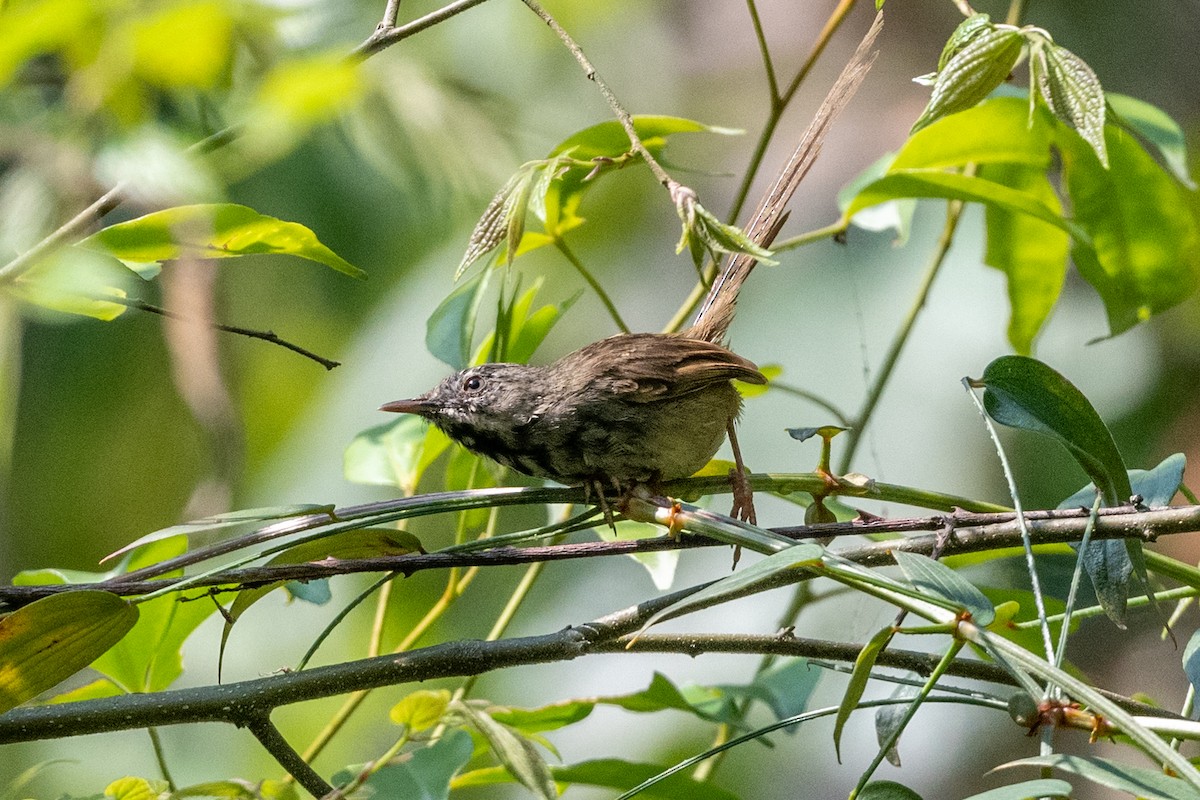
716, 312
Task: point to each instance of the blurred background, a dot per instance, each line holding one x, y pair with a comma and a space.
110, 430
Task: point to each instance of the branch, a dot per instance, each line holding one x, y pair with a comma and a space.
972, 533
387, 34
266, 336
273, 742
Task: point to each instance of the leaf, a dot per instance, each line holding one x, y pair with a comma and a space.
518, 755
219, 230
707, 703
183, 46
968, 30
938, 580
999, 130
1073, 92
51, 639
893, 215
1156, 127
421, 710
743, 581
887, 790
982, 64
659, 565
612, 773
425, 773
1139, 781
1156, 487
890, 718
131, 788
1031, 253
1027, 790
1145, 242
545, 718
857, 684
955, 186
396, 453
607, 140
451, 326
705, 235
785, 689
502, 221
76, 282
32, 29
1025, 393
1191, 667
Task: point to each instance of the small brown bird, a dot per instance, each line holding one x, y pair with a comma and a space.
636, 408
631, 409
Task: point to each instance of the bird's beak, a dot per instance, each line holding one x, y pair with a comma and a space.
417, 405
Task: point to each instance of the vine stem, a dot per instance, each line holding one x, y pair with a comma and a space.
604, 297
954, 209
622, 115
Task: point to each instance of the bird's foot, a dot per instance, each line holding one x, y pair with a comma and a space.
743, 497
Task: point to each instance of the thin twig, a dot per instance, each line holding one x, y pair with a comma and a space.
619, 111
386, 37
266, 336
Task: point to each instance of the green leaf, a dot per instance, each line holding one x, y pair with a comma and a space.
220, 230
502, 221
1025, 393
705, 235
1191, 667
425, 773
858, 683
660, 565
982, 64
1156, 487
451, 326
1156, 127
743, 581
893, 215
131, 788
1145, 242
396, 453
785, 689
239, 790
968, 30
955, 186
606, 140
615, 774
77, 282
1073, 92
1031, 253
1139, 781
887, 790
938, 580
998, 131
545, 718
51, 639
31, 29
889, 720
1027, 790
185, 45
706, 702
518, 755
421, 710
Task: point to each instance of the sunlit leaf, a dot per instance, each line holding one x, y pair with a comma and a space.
421, 710
51, 639
183, 45
221, 230
31, 29
999, 130
131, 788
451, 326
396, 453
76, 282
660, 565
1156, 127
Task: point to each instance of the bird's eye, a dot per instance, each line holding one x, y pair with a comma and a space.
473, 384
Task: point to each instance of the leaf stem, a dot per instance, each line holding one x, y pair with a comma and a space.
593, 283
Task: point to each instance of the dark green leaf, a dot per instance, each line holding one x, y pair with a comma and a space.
1139, 781
858, 682
973, 72
424, 774
785, 690
887, 790
890, 718
1031, 253
221, 230
51, 639
938, 580
615, 774
1024, 393
707, 703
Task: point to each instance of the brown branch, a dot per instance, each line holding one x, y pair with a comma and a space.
972, 533
266, 336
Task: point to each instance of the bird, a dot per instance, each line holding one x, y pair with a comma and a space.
635, 409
